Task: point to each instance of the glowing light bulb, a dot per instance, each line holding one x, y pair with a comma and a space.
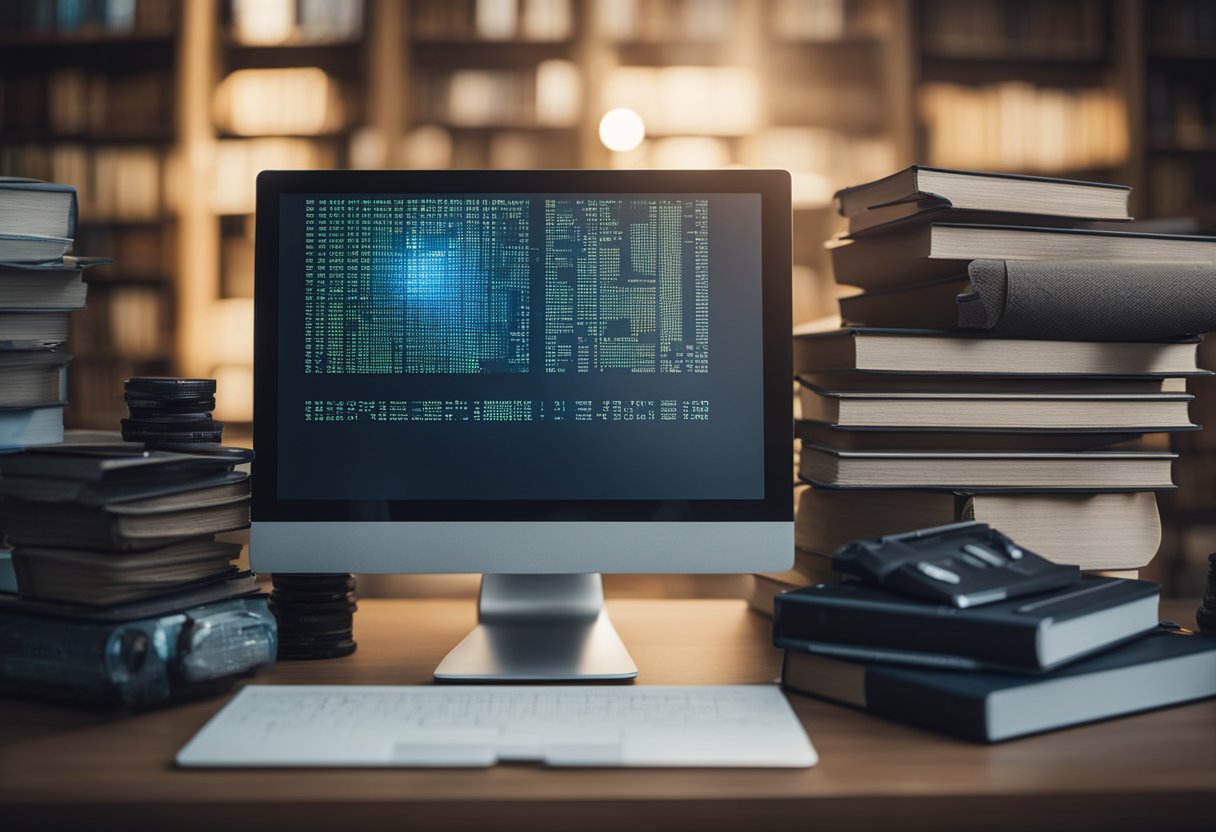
622, 130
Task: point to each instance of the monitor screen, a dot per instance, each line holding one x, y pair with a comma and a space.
520, 346
464, 346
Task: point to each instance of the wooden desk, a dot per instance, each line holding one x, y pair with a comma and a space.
61, 769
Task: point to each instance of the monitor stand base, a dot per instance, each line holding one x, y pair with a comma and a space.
540, 628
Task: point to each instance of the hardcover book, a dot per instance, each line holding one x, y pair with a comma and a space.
1029, 633
1160, 669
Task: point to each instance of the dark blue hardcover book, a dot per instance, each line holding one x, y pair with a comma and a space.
1028, 634
1163, 668
34, 207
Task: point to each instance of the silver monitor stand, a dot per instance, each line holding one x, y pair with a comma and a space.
539, 628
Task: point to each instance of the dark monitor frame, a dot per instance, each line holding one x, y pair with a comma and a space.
773, 186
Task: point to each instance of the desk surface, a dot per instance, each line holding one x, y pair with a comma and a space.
1157, 769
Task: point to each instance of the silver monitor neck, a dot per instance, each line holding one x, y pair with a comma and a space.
540, 628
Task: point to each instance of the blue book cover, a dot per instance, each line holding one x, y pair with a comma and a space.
48, 209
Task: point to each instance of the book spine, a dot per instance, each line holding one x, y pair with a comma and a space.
907, 628
895, 695
73, 213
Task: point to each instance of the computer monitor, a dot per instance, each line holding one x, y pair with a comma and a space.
536, 375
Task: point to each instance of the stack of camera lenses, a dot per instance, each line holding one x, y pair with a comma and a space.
316, 615
171, 411
1205, 616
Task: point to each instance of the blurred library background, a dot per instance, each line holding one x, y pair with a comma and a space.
162, 113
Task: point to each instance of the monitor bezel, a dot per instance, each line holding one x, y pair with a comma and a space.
773, 186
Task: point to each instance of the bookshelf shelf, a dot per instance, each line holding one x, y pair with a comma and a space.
113, 356
1019, 53
1201, 148
865, 40
232, 41
499, 127
337, 134
103, 276
18, 136
486, 54
1182, 51
427, 43
36, 41
673, 53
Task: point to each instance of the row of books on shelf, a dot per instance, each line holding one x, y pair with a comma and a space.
1016, 125
71, 102
541, 21
1181, 111
1046, 29
262, 23
655, 21
493, 20
90, 17
1179, 24
1038, 28
281, 101
95, 387
660, 20
121, 183
818, 159
548, 95
632, 20
238, 161
1182, 186
808, 95
141, 253
130, 321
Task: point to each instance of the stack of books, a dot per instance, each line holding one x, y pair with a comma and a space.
114, 545
112, 523
115, 589
1088, 651
39, 287
1004, 363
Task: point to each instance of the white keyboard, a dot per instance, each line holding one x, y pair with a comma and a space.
450, 726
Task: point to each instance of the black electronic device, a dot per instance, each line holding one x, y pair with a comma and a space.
137, 656
962, 564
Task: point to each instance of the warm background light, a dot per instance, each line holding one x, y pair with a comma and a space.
269, 102
622, 130
688, 100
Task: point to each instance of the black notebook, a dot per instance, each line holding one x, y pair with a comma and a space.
1032, 633
1162, 668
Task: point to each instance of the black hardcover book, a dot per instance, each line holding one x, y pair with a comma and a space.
97, 473
1163, 668
1028, 634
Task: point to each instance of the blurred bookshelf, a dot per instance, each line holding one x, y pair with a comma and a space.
163, 111
87, 98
